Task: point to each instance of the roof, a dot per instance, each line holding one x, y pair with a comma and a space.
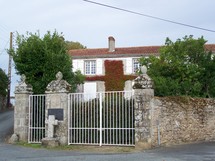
122, 52
210, 47
119, 52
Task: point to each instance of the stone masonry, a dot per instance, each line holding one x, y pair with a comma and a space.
143, 94
179, 120
56, 98
158, 121
22, 92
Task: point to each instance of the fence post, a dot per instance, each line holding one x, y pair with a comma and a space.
143, 94
21, 110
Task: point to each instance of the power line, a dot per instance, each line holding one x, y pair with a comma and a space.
3, 28
4, 49
2, 38
149, 16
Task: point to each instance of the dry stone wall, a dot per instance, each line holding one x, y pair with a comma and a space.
177, 120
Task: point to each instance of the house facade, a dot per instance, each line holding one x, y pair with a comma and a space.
91, 63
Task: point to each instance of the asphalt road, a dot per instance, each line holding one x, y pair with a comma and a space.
189, 152
6, 124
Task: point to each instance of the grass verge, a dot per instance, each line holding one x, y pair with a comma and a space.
81, 148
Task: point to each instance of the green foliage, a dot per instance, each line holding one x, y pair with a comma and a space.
114, 81
3, 83
79, 78
184, 67
71, 45
40, 58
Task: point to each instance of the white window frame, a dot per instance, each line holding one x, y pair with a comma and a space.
90, 67
135, 65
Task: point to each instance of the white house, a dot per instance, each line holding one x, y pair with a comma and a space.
91, 62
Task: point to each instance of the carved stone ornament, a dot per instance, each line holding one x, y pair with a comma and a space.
22, 86
143, 81
58, 85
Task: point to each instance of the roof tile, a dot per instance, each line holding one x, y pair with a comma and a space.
143, 50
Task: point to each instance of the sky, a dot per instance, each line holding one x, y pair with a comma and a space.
92, 24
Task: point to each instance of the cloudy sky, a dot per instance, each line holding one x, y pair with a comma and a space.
91, 24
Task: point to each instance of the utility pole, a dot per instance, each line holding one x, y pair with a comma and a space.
9, 71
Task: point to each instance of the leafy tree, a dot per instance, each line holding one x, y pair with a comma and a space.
40, 58
208, 76
184, 67
3, 83
71, 45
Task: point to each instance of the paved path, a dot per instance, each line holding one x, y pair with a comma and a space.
189, 152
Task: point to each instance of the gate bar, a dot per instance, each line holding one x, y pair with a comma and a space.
100, 102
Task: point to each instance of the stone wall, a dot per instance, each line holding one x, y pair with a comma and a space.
177, 120
158, 121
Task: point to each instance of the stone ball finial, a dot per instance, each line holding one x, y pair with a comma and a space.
59, 76
143, 69
143, 81
23, 78
58, 85
23, 87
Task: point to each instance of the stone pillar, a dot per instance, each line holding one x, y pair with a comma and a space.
143, 95
21, 110
57, 104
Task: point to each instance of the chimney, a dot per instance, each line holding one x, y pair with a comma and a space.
111, 44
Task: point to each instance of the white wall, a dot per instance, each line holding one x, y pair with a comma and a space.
99, 66
90, 90
78, 64
91, 87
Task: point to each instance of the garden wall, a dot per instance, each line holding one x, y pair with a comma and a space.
177, 120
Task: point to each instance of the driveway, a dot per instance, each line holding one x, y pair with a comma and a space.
189, 152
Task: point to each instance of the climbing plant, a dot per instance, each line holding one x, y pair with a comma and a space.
114, 77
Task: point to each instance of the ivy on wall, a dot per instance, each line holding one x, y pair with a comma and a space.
114, 77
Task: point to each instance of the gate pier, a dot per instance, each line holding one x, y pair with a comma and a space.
21, 114
57, 105
143, 94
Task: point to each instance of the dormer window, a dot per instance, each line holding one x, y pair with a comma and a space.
90, 67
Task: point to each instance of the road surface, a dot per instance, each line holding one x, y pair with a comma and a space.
6, 124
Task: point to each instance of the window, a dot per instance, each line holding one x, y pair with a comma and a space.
90, 67
135, 65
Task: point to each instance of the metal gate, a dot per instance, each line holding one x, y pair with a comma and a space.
105, 118
36, 129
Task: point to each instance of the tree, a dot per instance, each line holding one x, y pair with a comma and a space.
183, 68
40, 58
71, 45
3, 83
